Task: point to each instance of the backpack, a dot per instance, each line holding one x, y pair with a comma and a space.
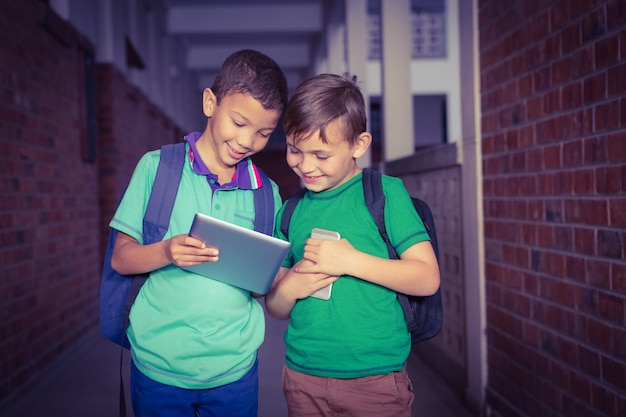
118, 292
423, 314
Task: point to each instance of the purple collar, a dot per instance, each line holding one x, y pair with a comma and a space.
241, 179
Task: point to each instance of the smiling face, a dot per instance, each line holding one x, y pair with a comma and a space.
238, 127
325, 165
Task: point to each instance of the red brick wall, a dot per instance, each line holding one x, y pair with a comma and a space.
49, 258
129, 125
55, 205
553, 84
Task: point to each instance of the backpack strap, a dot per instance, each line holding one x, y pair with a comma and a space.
264, 206
155, 224
429, 222
290, 206
164, 189
375, 202
156, 220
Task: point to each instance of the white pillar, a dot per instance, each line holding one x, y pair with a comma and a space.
357, 44
397, 102
473, 237
335, 39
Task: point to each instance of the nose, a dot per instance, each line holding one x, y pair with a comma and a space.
306, 164
245, 140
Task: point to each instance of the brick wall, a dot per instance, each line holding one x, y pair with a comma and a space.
55, 201
553, 84
49, 262
129, 125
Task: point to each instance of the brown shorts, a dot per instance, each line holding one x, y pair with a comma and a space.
386, 395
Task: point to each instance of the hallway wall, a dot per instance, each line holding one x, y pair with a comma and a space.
128, 126
554, 158
59, 184
50, 258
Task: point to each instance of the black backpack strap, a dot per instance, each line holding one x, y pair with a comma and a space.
264, 206
429, 222
290, 206
375, 202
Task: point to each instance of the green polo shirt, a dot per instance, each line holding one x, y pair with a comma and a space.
187, 330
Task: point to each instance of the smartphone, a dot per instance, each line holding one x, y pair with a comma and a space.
324, 293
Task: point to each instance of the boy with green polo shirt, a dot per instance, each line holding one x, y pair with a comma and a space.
346, 355
194, 340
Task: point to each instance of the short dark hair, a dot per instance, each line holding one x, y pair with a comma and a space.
321, 100
251, 72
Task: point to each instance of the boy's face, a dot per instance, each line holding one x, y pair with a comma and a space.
238, 127
324, 166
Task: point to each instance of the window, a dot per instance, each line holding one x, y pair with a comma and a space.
428, 31
374, 30
430, 120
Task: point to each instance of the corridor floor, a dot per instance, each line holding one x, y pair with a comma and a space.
85, 382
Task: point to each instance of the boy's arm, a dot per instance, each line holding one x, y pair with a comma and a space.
289, 286
415, 273
130, 257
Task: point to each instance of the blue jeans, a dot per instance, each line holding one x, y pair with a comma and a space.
153, 399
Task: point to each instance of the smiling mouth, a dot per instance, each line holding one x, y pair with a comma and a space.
235, 153
308, 178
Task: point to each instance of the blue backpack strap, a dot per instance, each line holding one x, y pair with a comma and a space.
155, 224
157, 218
264, 206
290, 206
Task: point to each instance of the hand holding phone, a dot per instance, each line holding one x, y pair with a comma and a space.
325, 292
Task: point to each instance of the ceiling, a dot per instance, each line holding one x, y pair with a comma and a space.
286, 30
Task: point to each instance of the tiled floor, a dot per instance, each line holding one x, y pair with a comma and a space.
85, 382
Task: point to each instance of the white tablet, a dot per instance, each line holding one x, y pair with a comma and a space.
248, 259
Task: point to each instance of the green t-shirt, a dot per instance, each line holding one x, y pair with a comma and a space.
187, 330
361, 330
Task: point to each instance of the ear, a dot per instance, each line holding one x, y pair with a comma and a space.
361, 145
209, 102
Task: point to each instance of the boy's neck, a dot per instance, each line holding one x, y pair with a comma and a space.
208, 155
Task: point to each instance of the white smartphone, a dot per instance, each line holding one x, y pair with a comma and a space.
324, 293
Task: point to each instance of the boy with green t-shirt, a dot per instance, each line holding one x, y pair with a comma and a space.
345, 355
194, 340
